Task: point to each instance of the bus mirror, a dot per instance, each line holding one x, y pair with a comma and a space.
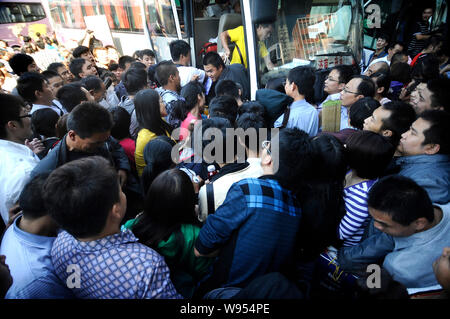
264, 11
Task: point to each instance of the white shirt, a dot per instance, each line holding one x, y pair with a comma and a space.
40, 107
16, 163
187, 72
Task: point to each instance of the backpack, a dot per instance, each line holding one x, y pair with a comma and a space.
208, 47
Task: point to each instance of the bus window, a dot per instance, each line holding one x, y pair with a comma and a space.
160, 18
317, 33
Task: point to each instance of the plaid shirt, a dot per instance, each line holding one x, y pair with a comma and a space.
114, 267
255, 228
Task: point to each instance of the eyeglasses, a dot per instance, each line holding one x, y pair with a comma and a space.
266, 146
347, 91
331, 79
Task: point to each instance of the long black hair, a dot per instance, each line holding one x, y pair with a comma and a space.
169, 203
148, 112
190, 92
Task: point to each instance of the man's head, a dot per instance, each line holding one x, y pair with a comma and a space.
55, 81
43, 122
400, 207
84, 197
228, 87
168, 75
181, 52
428, 135
125, 62
399, 57
361, 110
70, 95
84, 53
427, 13
433, 95
441, 268
426, 68
255, 122
395, 47
380, 66
391, 120
433, 44
62, 70
358, 87
95, 86
34, 88
31, 198
134, 80
15, 122
82, 68
148, 57
264, 31
213, 65
21, 63
223, 106
300, 82
337, 78
383, 83
382, 42
89, 126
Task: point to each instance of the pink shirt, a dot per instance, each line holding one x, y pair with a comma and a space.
129, 147
184, 131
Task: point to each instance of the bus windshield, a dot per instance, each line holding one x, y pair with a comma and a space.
318, 33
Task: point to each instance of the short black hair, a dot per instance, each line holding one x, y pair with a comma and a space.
92, 82
434, 41
113, 66
440, 93
178, 48
122, 121
366, 87
76, 66
50, 74
438, 133
394, 43
134, 80
400, 120
296, 155
401, 72
89, 118
227, 87
401, 198
397, 57
346, 72
80, 194
70, 95
362, 109
123, 60
28, 83
10, 107
55, 66
223, 106
31, 199
251, 121
19, 63
383, 80
79, 50
426, 68
304, 78
137, 65
43, 122
147, 52
252, 107
164, 70
200, 131
214, 59
383, 36
368, 154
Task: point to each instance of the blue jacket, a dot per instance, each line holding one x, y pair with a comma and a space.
432, 172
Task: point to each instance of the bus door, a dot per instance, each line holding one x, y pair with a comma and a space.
163, 25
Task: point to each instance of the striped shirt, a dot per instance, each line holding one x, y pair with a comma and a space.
415, 46
353, 224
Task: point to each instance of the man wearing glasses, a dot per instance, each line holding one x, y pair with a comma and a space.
16, 160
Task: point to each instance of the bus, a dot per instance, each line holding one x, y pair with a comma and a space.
23, 17
319, 33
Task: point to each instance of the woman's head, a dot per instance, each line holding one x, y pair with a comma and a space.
330, 164
157, 156
122, 120
368, 154
169, 203
149, 110
193, 95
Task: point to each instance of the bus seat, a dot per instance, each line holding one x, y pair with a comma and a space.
204, 29
228, 21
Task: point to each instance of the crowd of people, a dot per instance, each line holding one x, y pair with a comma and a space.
110, 186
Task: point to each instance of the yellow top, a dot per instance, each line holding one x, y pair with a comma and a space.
237, 36
144, 136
